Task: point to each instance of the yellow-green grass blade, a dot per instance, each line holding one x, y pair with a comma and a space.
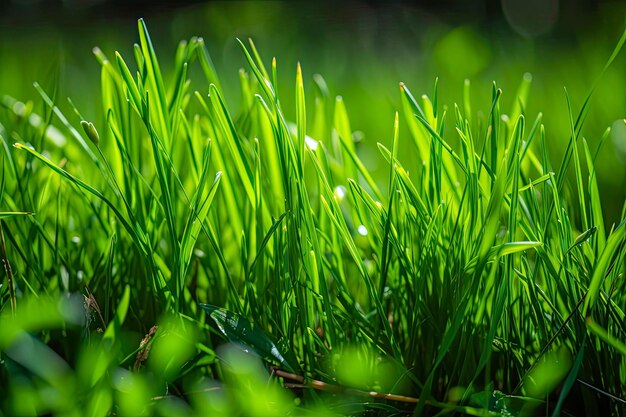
602, 266
155, 83
10, 214
604, 335
594, 197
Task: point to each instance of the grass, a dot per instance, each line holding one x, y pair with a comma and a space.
175, 257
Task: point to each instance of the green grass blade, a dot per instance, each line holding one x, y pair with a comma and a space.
9, 214
602, 266
603, 334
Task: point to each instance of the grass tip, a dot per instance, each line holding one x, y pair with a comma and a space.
99, 54
299, 80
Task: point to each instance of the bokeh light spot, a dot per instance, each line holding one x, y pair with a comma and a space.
531, 18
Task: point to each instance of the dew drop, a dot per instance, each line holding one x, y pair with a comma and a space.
311, 143
340, 192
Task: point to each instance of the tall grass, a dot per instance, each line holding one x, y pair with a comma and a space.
474, 278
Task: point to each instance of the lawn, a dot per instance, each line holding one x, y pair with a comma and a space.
182, 238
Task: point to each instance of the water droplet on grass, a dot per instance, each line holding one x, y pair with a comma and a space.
340, 192
311, 143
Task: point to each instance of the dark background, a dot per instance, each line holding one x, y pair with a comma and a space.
572, 13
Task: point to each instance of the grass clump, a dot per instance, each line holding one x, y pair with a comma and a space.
475, 278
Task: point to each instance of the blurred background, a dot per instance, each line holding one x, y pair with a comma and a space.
362, 48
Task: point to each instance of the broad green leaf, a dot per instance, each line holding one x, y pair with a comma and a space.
238, 329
